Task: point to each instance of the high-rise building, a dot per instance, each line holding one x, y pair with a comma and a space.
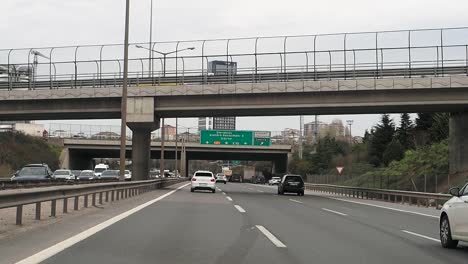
204, 123
224, 123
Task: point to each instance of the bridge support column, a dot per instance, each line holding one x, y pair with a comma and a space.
458, 144
141, 120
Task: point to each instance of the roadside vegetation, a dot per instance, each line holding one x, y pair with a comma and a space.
412, 155
17, 149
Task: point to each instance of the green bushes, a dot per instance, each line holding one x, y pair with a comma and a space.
17, 149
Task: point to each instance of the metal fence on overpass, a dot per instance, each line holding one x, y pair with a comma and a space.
403, 53
111, 132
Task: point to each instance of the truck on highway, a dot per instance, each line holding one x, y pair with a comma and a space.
249, 173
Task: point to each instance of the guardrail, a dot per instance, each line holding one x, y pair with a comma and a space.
9, 184
396, 196
108, 191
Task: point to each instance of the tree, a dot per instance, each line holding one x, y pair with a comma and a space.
382, 136
405, 132
423, 121
394, 151
440, 127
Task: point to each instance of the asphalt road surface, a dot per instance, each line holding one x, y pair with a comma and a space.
245, 223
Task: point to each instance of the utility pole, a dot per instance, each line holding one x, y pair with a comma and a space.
301, 124
350, 123
123, 124
150, 55
176, 142
316, 129
163, 135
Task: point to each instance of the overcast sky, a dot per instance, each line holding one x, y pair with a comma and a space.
34, 23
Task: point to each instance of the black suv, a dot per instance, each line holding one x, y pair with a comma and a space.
33, 172
291, 184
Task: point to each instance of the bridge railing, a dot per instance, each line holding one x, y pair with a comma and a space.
258, 59
419, 198
100, 193
109, 132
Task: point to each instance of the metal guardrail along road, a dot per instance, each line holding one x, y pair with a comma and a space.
396, 196
108, 191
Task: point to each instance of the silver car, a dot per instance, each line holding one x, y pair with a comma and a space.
66, 175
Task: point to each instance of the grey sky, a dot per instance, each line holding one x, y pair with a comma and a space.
33, 23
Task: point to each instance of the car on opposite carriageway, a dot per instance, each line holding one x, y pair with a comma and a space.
33, 172
110, 175
86, 175
64, 175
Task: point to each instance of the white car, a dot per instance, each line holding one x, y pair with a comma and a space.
128, 175
274, 181
63, 175
454, 218
203, 180
220, 177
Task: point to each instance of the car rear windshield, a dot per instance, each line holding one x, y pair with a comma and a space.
276, 178
61, 173
87, 173
293, 179
99, 169
110, 173
32, 171
203, 174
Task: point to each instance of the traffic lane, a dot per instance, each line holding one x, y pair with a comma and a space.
325, 237
185, 227
421, 221
423, 224
48, 232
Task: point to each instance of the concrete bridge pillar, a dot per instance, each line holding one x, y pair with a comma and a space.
142, 121
458, 144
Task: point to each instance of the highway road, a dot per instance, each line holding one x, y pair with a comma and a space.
245, 223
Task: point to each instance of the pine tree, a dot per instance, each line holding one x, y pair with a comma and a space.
440, 127
423, 121
394, 151
405, 132
380, 138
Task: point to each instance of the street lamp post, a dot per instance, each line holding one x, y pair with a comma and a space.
163, 135
123, 124
150, 39
176, 142
350, 123
164, 54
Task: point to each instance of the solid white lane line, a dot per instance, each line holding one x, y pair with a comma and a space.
57, 248
419, 235
271, 237
335, 212
260, 191
240, 209
385, 207
229, 198
296, 201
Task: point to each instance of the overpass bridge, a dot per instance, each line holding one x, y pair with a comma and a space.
291, 80
80, 152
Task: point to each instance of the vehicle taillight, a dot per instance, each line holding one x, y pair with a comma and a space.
212, 180
193, 179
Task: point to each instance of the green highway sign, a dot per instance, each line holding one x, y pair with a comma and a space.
234, 137
262, 138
